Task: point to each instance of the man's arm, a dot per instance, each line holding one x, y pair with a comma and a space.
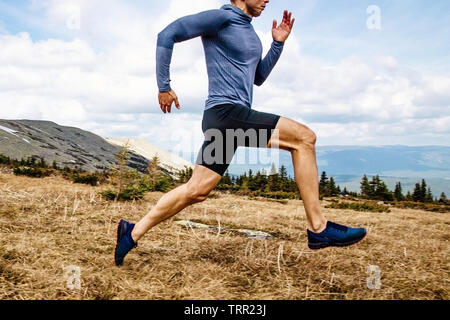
265, 66
280, 34
185, 28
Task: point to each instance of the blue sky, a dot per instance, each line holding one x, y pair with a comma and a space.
417, 33
350, 84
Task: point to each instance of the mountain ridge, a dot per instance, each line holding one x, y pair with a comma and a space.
68, 146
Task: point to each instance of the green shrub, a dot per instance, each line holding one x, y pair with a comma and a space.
91, 179
126, 195
162, 184
4, 159
432, 207
359, 206
277, 195
32, 172
227, 187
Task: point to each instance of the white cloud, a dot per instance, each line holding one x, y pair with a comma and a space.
20, 50
103, 80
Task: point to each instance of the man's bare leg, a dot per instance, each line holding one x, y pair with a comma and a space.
300, 141
202, 182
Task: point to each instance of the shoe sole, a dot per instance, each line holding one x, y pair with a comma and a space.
117, 243
340, 245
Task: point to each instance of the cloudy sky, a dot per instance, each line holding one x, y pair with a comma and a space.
354, 73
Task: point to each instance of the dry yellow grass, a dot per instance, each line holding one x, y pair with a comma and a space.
49, 224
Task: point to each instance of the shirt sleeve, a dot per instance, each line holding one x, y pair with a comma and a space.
267, 64
185, 28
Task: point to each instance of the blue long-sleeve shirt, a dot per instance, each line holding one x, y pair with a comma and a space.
233, 54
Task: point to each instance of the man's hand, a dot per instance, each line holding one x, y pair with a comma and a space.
282, 32
166, 99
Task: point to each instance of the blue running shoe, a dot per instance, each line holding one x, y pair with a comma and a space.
124, 241
335, 235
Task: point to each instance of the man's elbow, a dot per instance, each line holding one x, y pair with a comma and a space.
259, 81
162, 38
165, 39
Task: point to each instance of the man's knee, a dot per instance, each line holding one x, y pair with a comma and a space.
304, 137
196, 194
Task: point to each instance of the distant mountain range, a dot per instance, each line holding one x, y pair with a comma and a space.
347, 164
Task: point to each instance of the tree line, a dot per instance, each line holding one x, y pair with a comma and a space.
272, 184
374, 189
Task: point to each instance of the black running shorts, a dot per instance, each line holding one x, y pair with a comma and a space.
227, 127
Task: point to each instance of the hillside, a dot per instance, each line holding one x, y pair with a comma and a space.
169, 161
67, 146
49, 225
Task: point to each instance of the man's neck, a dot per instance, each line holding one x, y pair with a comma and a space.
241, 5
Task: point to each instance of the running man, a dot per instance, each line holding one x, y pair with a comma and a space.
234, 62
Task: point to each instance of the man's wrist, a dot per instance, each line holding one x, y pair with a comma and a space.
164, 89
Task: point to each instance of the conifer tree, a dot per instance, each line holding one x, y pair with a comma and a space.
283, 173
398, 194
417, 193
323, 184
154, 171
42, 163
345, 191
374, 185
55, 165
409, 197
423, 191
226, 179
274, 182
331, 188
429, 196
365, 188
382, 192
120, 174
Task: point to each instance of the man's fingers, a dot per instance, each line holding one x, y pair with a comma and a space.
274, 25
172, 94
175, 99
292, 23
166, 101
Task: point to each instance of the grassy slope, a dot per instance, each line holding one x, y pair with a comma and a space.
49, 224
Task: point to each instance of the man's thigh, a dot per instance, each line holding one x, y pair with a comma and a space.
288, 134
252, 128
